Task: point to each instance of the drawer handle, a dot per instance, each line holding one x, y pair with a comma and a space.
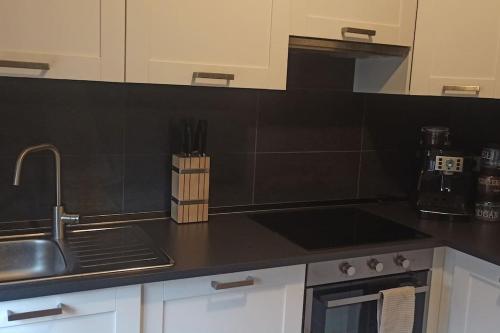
351, 30
44, 66
212, 76
13, 316
249, 281
474, 89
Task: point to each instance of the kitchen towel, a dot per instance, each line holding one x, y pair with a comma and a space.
396, 310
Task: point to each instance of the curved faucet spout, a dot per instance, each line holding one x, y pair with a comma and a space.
57, 158
60, 218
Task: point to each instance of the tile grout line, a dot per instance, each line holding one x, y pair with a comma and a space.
313, 151
257, 109
363, 119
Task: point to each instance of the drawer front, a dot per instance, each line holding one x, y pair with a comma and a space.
248, 280
46, 308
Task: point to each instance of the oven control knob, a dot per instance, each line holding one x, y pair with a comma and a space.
376, 265
347, 269
402, 262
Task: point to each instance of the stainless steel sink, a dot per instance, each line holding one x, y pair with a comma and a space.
30, 258
84, 252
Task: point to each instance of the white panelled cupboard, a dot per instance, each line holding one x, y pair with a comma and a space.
114, 310
457, 48
383, 22
471, 295
264, 301
232, 43
78, 39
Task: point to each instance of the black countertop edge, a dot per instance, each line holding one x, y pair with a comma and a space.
68, 284
233, 242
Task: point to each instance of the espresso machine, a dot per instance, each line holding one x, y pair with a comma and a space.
444, 179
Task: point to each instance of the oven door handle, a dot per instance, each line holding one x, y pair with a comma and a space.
363, 299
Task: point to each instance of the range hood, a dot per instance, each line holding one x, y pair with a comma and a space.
348, 48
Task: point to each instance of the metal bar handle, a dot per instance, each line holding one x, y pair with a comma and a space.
368, 32
249, 281
44, 66
13, 316
213, 76
363, 299
474, 89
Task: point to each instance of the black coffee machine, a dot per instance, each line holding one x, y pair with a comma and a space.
444, 180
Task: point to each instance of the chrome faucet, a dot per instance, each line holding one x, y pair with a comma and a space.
60, 217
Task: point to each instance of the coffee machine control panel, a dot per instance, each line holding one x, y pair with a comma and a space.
449, 164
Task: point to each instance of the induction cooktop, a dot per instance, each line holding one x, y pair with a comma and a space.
327, 228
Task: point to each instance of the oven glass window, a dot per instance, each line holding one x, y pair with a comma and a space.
343, 308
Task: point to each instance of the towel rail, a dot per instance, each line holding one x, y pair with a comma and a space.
365, 298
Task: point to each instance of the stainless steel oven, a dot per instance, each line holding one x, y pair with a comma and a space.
341, 295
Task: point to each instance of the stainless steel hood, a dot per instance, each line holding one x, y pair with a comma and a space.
348, 48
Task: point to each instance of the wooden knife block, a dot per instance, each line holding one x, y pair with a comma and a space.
190, 188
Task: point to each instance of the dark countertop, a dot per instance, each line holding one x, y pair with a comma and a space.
234, 242
478, 239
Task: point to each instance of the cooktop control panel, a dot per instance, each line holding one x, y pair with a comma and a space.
368, 266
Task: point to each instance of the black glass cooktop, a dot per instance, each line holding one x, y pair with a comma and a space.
326, 228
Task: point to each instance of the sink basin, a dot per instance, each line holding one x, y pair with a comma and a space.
28, 259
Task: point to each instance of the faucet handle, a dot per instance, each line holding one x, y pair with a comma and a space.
70, 218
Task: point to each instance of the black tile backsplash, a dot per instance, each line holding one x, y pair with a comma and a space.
309, 120
286, 177
231, 179
315, 141
385, 173
145, 185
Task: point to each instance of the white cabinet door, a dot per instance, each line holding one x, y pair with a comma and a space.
391, 21
272, 304
62, 39
457, 48
115, 310
474, 305
235, 43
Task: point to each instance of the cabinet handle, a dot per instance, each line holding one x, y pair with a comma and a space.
474, 89
12, 316
44, 66
249, 281
368, 32
212, 76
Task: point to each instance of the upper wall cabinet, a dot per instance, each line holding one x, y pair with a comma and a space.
383, 21
457, 48
78, 39
235, 43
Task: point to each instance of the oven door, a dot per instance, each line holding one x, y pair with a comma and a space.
351, 307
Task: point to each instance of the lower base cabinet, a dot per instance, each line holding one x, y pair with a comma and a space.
472, 295
264, 301
114, 310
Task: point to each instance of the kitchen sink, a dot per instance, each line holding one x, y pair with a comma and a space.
30, 258
83, 252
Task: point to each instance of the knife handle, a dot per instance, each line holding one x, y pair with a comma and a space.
203, 125
187, 138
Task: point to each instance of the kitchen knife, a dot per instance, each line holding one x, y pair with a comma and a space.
187, 138
203, 124
200, 141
